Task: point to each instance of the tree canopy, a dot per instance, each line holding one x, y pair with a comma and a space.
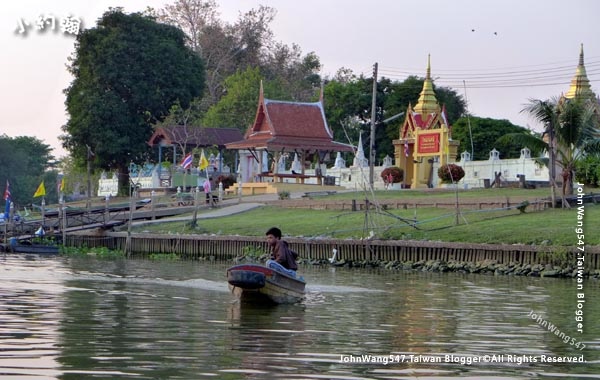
486, 134
128, 72
24, 162
235, 53
237, 108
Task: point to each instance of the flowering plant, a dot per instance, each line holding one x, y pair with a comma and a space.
450, 172
396, 172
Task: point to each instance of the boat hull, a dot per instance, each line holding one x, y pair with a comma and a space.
33, 248
256, 283
16, 246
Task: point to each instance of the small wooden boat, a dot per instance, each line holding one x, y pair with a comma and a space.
29, 247
251, 282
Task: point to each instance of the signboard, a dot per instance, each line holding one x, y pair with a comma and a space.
428, 143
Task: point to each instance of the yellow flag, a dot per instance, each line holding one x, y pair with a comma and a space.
62, 184
41, 190
203, 161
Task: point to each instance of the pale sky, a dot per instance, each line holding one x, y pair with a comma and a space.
503, 52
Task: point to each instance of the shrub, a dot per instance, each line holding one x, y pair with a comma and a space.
587, 170
444, 173
396, 172
283, 195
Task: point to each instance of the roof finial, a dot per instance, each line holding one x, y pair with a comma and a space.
261, 94
322, 91
580, 84
427, 102
428, 75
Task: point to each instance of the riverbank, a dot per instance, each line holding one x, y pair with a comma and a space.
489, 267
423, 238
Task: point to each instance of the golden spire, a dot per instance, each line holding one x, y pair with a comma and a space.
580, 84
427, 102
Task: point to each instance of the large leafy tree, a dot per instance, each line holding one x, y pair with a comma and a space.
237, 108
128, 72
486, 133
248, 42
25, 162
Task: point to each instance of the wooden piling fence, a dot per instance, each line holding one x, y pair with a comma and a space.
229, 247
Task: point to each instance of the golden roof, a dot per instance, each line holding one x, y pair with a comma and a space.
580, 84
427, 103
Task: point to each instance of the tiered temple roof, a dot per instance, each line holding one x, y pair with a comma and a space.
194, 136
427, 114
580, 84
289, 126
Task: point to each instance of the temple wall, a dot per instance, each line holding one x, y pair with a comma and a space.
477, 171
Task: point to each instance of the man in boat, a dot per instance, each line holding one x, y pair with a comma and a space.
283, 259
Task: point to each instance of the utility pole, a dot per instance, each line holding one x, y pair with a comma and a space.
373, 116
89, 156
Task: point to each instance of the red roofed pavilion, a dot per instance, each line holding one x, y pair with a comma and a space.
288, 127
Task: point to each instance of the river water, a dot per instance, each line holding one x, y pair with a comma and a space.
74, 318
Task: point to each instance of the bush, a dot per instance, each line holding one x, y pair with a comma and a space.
444, 173
396, 172
283, 195
587, 170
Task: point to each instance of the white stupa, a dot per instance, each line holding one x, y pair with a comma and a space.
360, 161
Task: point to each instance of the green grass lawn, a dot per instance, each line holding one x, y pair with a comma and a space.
552, 226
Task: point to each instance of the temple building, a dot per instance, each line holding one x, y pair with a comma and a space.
282, 129
425, 138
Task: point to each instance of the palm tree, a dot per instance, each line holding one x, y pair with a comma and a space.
544, 111
570, 132
577, 135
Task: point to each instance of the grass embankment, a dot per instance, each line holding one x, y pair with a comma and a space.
551, 226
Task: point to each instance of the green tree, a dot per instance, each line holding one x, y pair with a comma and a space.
347, 106
486, 133
25, 161
228, 48
587, 170
237, 108
128, 72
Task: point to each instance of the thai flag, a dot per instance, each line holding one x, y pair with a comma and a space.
7, 191
187, 161
7, 200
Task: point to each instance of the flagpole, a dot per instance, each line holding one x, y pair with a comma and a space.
43, 212
405, 169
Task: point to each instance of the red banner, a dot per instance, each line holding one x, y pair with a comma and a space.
428, 143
